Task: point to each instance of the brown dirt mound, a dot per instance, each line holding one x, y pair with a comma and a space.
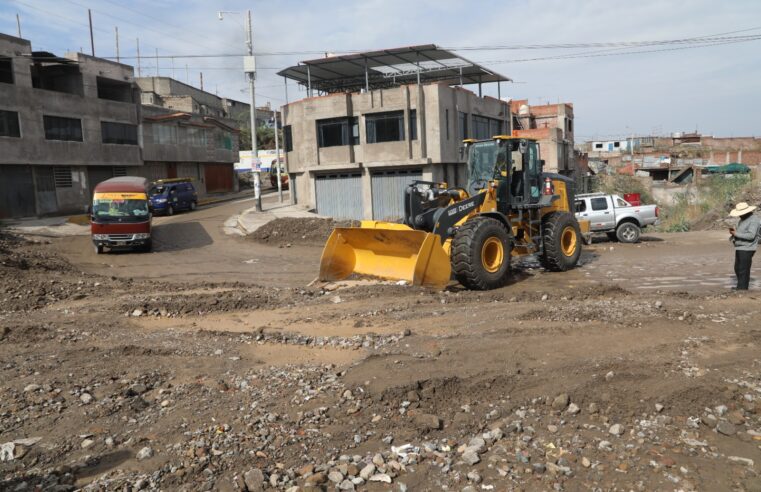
298, 231
20, 253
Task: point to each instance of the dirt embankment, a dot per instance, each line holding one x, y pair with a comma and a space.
298, 231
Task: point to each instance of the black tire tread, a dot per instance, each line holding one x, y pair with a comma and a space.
627, 224
465, 271
552, 257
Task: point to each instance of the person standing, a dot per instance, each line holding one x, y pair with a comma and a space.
745, 239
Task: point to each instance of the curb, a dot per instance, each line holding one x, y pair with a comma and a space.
245, 230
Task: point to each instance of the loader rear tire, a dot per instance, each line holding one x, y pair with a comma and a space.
481, 254
561, 240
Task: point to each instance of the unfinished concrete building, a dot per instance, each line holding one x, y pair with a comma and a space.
379, 121
66, 123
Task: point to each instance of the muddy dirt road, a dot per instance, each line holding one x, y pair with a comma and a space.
197, 249
640, 370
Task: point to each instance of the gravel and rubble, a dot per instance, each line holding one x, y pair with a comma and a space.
595, 388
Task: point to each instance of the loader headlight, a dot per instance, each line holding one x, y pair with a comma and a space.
141, 235
100, 237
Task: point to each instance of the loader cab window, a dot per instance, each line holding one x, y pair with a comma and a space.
525, 185
484, 161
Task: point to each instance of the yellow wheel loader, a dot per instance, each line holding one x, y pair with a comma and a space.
510, 208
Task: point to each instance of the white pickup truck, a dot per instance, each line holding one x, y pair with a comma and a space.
611, 214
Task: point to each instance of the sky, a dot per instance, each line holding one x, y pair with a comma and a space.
616, 91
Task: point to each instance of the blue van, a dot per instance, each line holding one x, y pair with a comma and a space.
170, 195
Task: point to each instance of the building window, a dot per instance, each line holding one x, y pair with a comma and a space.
616, 144
288, 137
120, 171
9, 126
446, 120
114, 90
60, 128
196, 137
118, 133
164, 134
385, 127
570, 125
338, 131
6, 71
462, 123
62, 176
598, 146
59, 78
224, 140
413, 124
484, 127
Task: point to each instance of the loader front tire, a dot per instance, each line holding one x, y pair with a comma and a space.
561, 241
481, 254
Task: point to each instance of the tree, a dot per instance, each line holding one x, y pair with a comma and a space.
265, 138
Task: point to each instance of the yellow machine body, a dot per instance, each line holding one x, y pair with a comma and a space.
394, 251
385, 250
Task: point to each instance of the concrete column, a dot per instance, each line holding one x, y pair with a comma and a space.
349, 113
367, 194
421, 117
408, 129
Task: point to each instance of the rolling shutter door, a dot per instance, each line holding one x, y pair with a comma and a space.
339, 195
388, 192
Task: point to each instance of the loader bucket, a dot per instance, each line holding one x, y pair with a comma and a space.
385, 250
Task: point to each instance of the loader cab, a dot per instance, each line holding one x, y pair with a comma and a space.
513, 163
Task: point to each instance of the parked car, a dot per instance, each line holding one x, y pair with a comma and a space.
170, 195
616, 217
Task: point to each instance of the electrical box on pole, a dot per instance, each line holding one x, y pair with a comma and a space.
249, 64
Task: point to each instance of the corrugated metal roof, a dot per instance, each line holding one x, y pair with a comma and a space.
389, 68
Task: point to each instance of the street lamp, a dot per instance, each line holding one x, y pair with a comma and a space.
249, 67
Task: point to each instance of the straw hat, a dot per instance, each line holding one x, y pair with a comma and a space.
741, 209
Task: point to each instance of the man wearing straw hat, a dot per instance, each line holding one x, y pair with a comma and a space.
745, 239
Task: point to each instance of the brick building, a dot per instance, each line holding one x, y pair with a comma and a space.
552, 126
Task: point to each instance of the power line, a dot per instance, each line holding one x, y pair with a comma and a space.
597, 55
629, 44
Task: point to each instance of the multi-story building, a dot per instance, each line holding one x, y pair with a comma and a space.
240, 112
187, 133
65, 123
381, 120
552, 126
68, 123
187, 145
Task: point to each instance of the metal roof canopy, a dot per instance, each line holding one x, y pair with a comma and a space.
389, 68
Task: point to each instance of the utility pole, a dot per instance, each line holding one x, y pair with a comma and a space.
187, 76
116, 33
200, 75
251, 70
249, 67
277, 158
92, 39
139, 72
18, 25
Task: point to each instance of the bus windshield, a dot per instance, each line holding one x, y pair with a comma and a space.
120, 207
